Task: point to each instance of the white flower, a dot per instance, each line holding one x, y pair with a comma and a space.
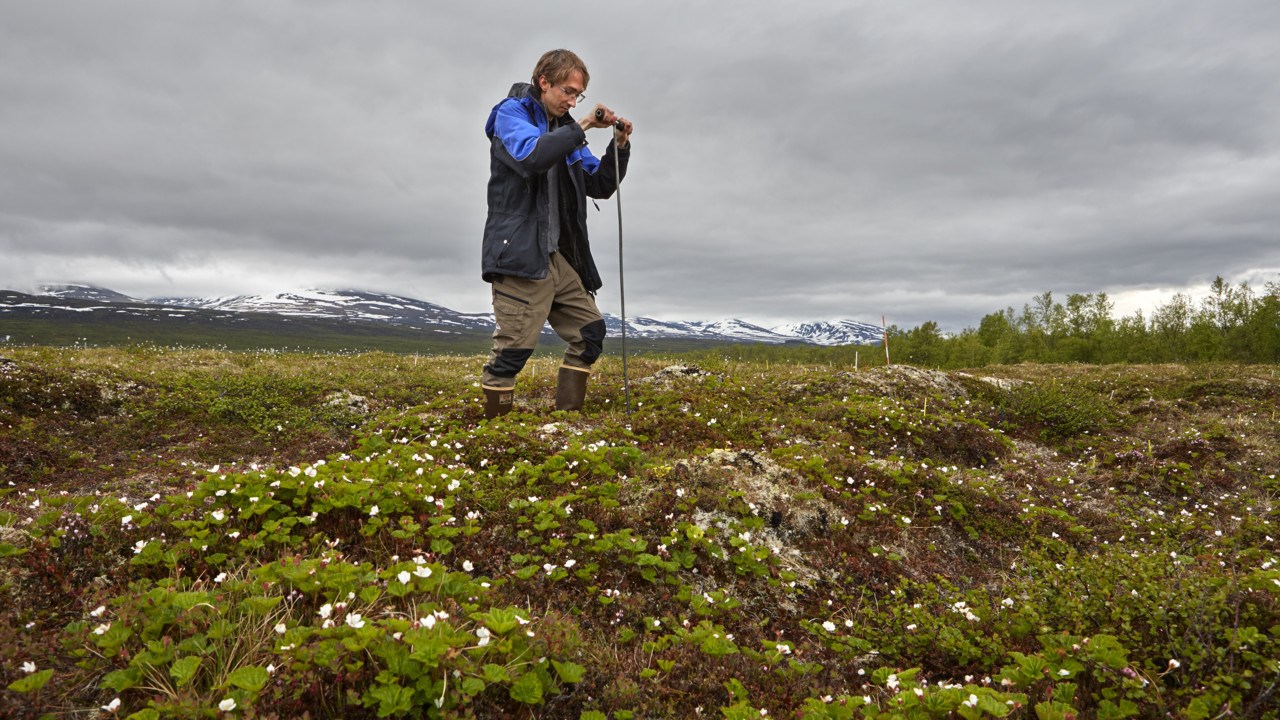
421, 571
892, 682
221, 576
1007, 602
466, 565
829, 626
429, 621
972, 701
112, 706
325, 610
138, 546
281, 628
28, 667
102, 629
1174, 664
355, 620
570, 563
1064, 673
227, 705
219, 516
126, 519
373, 511
482, 633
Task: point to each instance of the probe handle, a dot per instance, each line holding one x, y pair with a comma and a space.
618, 124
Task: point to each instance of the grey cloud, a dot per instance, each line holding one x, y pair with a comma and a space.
926, 160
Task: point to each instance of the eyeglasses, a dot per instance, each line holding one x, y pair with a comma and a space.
571, 92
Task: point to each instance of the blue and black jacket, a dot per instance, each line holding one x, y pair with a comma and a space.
519, 234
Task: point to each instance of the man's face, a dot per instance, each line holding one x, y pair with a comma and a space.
558, 98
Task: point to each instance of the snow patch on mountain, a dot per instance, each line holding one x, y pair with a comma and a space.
79, 291
366, 306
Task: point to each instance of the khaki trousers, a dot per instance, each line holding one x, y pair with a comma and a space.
521, 306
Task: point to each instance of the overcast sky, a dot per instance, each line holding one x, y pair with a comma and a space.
921, 160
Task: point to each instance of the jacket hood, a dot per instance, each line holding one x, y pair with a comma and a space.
518, 91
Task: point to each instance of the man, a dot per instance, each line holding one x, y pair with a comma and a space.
535, 252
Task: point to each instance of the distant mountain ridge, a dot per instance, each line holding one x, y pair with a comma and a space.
365, 306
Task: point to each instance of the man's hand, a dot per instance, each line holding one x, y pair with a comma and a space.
599, 117
602, 117
622, 135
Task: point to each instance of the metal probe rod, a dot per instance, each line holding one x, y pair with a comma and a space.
622, 287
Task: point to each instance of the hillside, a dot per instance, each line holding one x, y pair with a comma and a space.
204, 533
374, 308
77, 322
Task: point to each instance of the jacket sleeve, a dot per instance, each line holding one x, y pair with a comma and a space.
602, 182
525, 148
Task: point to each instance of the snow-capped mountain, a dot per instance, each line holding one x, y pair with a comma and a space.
341, 304
837, 332
76, 291
363, 306
725, 330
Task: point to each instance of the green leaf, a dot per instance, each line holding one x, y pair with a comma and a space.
392, 699
260, 605
37, 680
428, 645
717, 646
592, 715
184, 669
1050, 710
147, 714
115, 636
569, 672
188, 600
528, 689
1199, 709
737, 691
472, 686
121, 680
993, 706
249, 677
1108, 710
500, 620
10, 550
495, 673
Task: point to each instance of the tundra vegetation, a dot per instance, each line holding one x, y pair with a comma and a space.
200, 534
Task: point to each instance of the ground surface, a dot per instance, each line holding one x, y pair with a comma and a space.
199, 533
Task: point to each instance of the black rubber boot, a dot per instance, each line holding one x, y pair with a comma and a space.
571, 388
497, 401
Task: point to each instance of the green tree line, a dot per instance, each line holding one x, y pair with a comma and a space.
1232, 324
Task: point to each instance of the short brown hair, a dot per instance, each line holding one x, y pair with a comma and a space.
556, 65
